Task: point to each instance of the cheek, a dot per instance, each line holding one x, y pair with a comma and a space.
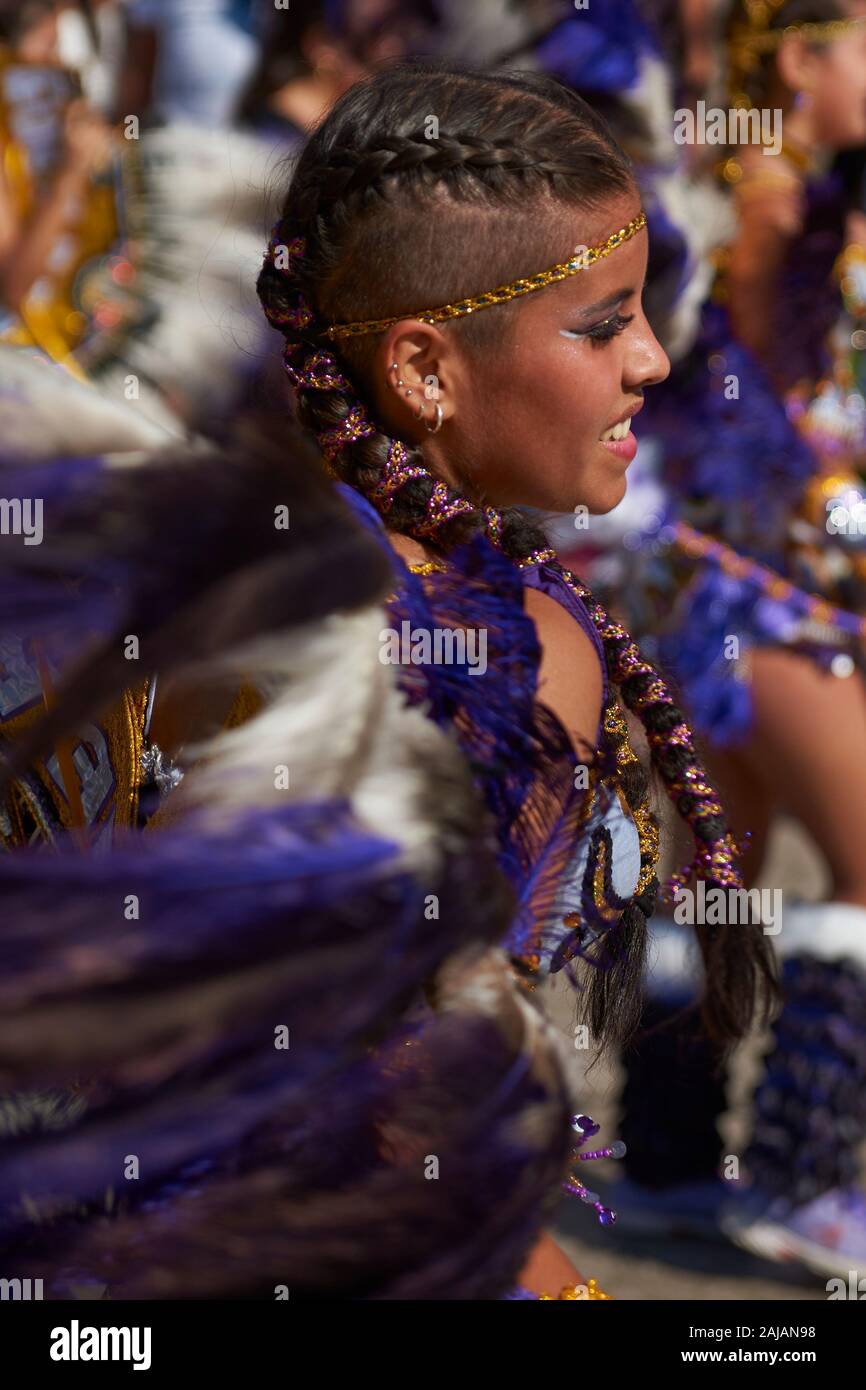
845, 100
551, 429
572, 390
536, 422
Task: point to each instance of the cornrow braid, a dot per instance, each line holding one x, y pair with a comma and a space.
403, 156
547, 138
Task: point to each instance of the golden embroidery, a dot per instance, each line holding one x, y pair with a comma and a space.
124, 727
645, 822
428, 567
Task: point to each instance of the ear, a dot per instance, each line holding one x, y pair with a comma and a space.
797, 64
417, 368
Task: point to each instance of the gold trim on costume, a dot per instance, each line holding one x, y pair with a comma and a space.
577, 1293
424, 567
124, 727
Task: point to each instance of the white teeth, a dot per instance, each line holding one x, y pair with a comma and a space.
617, 431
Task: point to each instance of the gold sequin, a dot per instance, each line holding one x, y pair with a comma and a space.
428, 567
644, 821
577, 1293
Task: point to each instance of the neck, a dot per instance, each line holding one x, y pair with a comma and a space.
800, 144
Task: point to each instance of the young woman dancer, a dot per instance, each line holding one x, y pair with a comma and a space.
458, 274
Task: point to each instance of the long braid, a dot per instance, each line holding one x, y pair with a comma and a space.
339, 181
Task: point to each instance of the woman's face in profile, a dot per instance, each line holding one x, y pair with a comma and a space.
37, 40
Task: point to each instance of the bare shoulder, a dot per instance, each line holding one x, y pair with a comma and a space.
570, 678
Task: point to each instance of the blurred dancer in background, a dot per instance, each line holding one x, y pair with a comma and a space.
303, 67
58, 201
177, 329
137, 278
91, 41
188, 60
761, 430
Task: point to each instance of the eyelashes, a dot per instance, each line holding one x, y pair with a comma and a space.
601, 332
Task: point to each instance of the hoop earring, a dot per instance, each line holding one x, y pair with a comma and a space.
421, 412
434, 429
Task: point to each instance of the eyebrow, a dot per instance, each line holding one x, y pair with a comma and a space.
608, 302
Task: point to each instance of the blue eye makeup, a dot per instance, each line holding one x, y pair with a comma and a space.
600, 332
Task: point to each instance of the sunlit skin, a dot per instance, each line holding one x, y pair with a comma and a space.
523, 419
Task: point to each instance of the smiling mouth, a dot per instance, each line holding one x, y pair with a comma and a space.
616, 432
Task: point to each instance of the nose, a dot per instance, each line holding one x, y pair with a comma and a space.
647, 363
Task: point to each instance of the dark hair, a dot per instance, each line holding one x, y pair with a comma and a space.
17, 17
371, 190
281, 57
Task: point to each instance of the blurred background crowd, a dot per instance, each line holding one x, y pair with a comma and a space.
143, 143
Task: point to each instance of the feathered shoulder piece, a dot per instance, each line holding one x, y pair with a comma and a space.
468, 652
234, 998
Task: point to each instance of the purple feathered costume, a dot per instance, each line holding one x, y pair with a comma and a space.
220, 1075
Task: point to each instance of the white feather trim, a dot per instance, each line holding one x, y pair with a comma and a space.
336, 721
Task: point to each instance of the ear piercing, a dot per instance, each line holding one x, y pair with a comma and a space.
434, 429
420, 413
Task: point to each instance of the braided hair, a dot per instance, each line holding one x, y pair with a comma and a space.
372, 189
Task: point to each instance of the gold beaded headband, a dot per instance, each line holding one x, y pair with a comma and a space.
581, 261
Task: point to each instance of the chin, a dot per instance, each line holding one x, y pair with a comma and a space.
607, 496
849, 137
